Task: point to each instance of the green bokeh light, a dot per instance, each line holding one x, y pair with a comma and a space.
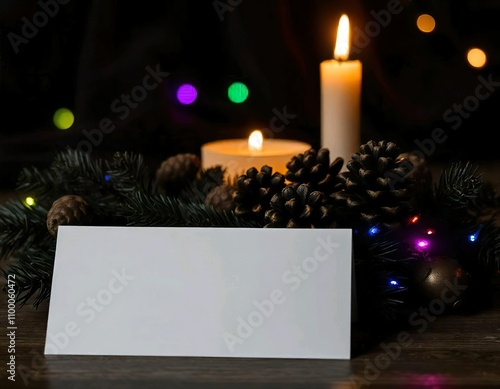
237, 92
63, 118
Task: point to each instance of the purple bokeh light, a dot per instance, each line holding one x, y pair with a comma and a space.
187, 94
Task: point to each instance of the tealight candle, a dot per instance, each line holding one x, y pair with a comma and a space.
238, 155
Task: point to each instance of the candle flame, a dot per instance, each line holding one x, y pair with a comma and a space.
255, 141
341, 51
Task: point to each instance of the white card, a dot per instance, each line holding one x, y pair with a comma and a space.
201, 292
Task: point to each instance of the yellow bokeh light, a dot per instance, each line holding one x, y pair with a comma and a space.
30, 201
426, 23
63, 118
476, 57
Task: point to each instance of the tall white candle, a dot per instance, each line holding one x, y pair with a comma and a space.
341, 98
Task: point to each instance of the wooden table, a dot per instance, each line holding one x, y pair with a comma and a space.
455, 351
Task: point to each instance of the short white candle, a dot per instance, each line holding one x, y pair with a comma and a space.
238, 155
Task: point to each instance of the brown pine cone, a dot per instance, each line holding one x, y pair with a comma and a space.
298, 206
176, 171
315, 168
254, 191
221, 198
376, 188
68, 210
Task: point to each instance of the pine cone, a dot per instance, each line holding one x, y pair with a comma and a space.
68, 210
376, 187
254, 191
298, 206
314, 168
221, 198
176, 171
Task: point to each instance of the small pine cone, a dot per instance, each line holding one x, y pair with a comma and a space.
314, 168
254, 191
221, 198
376, 187
177, 171
68, 210
298, 206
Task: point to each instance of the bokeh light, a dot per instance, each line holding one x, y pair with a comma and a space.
476, 57
63, 118
426, 23
237, 92
187, 94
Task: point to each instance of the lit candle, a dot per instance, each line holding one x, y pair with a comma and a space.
341, 98
238, 155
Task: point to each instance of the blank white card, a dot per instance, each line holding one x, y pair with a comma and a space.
201, 292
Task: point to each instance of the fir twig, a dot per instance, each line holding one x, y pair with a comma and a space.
21, 226
33, 276
128, 173
196, 190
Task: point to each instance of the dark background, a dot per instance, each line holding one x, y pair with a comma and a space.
91, 52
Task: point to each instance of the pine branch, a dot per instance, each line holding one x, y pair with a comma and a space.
81, 173
22, 226
196, 191
167, 211
459, 186
457, 190
205, 216
129, 174
489, 240
140, 209
33, 274
43, 185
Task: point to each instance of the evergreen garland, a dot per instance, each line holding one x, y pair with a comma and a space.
123, 191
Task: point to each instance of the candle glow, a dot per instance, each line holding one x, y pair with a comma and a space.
255, 141
341, 52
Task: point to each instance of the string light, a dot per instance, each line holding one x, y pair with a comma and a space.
30, 201
422, 244
414, 219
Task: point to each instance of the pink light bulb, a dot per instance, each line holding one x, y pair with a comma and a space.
422, 243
